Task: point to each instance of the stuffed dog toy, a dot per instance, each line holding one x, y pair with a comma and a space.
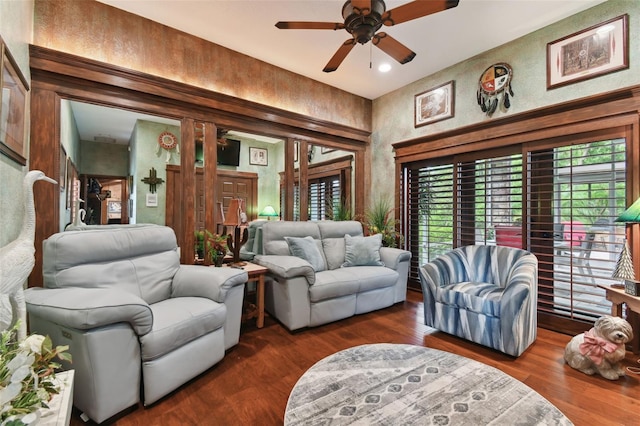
600, 349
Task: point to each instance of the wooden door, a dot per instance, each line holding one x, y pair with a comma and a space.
230, 185
241, 185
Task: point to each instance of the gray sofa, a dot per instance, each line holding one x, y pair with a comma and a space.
136, 321
341, 281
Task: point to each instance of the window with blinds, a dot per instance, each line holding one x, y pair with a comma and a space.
328, 188
576, 193
429, 206
559, 202
324, 197
490, 201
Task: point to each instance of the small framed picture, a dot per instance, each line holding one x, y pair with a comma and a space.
62, 180
434, 105
258, 156
114, 207
595, 51
12, 108
326, 150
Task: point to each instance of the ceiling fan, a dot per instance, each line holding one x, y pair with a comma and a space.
362, 18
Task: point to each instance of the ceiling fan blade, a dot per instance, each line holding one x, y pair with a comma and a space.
310, 25
416, 9
393, 48
339, 56
363, 6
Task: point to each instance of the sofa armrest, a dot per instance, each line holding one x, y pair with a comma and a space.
286, 267
392, 257
201, 281
87, 308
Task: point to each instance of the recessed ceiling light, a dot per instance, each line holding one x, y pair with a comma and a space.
384, 67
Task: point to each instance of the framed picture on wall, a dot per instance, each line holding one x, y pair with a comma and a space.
434, 105
62, 179
258, 156
326, 150
12, 107
595, 51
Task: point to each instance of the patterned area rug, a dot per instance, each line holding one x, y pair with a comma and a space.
390, 384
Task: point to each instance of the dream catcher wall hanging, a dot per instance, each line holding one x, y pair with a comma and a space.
495, 81
169, 143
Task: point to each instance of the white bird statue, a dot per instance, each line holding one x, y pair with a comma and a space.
17, 260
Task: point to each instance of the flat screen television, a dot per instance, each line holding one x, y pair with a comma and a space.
228, 152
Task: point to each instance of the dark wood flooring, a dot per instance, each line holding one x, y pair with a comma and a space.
250, 386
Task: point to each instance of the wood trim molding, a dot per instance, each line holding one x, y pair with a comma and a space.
56, 75
45, 63
587, 113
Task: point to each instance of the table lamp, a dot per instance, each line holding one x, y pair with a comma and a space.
235, 217
624, 266
269, 212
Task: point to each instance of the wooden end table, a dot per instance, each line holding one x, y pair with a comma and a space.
617, 297
256, 274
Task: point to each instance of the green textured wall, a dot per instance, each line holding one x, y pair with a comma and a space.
16, 29
105, 159
148, 156
393, 113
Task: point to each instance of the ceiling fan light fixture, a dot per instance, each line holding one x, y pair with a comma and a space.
363, 23
362, 20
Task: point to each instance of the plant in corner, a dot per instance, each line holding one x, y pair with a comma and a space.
27, 370
378, 220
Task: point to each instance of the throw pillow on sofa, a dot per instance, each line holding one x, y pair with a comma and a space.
333, 252
362, 251
307, 249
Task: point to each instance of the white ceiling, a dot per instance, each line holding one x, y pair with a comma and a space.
248, 26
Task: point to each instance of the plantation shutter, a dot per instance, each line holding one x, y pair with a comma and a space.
428, 209
577, 190
489, 193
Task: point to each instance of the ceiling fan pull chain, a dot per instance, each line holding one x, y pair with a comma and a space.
370, 55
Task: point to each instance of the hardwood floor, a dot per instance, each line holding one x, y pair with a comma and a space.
251, 385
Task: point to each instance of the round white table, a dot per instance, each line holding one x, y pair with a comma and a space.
395, 384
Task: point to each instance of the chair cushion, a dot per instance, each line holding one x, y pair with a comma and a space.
362, 251
178, 321
347, 281
483, 298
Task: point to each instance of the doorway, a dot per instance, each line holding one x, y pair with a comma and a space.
106, 199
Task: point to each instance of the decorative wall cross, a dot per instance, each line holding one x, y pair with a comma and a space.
152, 180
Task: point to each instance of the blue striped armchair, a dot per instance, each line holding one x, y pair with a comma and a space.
485, 294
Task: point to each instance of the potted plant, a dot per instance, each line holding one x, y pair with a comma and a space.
216, 246
27, 373
378, 220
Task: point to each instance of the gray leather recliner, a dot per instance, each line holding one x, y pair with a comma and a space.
132, 314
